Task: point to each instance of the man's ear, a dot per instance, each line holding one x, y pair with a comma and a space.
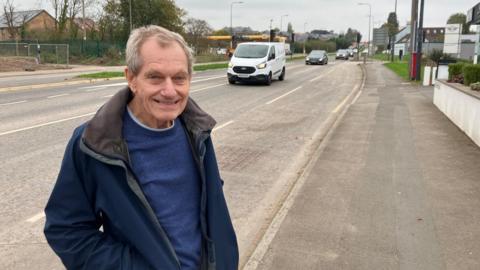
131, 79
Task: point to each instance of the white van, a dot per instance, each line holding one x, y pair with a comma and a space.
257, 62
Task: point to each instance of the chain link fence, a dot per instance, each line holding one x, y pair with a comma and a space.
42, 53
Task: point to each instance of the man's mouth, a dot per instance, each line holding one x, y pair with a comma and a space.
165, 102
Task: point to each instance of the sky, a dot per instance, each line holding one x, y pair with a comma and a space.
337, 15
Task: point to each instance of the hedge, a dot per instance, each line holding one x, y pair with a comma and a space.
455, 69
471, 74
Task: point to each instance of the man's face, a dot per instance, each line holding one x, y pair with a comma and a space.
161, 86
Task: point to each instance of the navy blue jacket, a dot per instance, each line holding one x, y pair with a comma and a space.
97, 216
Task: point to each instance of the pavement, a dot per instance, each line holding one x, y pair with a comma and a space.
395, 186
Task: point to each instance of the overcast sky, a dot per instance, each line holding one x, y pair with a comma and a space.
337, 15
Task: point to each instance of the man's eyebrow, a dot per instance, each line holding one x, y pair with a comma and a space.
152, 72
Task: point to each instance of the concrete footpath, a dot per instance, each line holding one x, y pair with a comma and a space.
397, 186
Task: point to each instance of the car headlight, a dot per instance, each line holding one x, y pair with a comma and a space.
307, 58
230, 65
262, 65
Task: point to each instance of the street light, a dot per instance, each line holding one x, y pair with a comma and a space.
231, 25
305, 32
369, 23
281, 22
270, 32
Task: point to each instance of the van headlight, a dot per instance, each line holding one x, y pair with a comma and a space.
262, 65
307, 58
230, 65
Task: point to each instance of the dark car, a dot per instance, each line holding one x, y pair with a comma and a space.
317, 57
342, 54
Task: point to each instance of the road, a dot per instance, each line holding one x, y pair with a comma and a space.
264, 138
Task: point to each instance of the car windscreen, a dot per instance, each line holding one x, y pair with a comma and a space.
251, 51
316, 54
342, 51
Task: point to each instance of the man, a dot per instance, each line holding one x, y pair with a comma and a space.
139, 186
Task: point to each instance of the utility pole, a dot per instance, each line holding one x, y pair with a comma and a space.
270, 32
83, 21
130, 12
420, 41
305, 31
413, 32
231, 24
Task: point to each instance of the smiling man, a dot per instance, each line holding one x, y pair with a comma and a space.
139, 186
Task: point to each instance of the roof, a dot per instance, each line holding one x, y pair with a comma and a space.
20, 17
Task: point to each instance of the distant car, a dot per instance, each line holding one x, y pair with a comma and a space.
317, 57
350, 52
342, 54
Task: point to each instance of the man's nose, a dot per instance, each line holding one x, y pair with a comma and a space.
168, 88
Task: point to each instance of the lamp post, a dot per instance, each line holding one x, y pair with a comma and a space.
130, 12
281, 21
369, 22
304, 31
393, 40
270, 32
231, 25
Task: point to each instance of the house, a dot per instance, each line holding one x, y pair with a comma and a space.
29, 21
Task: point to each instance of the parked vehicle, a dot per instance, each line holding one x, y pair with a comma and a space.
342, 54
317, 57
257, 62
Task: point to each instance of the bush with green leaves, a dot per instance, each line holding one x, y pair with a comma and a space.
471, 74
475, 86
454, 70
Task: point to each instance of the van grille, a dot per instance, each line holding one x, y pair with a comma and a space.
244, 70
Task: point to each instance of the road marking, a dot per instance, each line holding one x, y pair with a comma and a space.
100, 87
356, 97
107, 96
223, 125
36, 217
46, 124
344, 100
211, 78
284, 95
61, 95
321, 76
205, 88
12, 103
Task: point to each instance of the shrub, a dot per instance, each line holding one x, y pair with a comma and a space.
471, 74
475, 86
454, 69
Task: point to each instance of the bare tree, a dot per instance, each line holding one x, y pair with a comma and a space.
9, 14
196, 30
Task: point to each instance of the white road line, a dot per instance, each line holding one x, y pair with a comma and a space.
344, 100
356, 97
46, 124
211, 78
96, 89
208, 87
56, 96
284, 95
12, 103
36, 217
321, 76
107, 96
223, 125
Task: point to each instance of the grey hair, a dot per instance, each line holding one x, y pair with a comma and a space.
163, 36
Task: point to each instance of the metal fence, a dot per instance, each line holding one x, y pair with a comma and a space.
43, 53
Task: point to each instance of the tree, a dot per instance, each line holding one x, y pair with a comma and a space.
9, 14
392, 28
221, 32
460, 18
196, 30
289, 28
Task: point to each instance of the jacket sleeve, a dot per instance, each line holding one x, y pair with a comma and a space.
72, 228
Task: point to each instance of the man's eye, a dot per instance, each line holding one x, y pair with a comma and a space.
180, 79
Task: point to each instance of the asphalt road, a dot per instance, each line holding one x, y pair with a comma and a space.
264, 138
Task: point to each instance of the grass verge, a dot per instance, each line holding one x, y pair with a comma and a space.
102, 75
401, 69
210, 66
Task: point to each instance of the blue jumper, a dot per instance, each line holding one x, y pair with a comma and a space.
163, 163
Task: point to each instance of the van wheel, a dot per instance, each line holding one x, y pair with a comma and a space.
231, 81
268, 79
282, 76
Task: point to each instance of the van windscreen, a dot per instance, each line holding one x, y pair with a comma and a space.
251, 51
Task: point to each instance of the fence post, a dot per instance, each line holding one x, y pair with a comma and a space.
68, 54
56, 52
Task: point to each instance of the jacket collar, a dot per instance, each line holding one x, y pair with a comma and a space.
103, 132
